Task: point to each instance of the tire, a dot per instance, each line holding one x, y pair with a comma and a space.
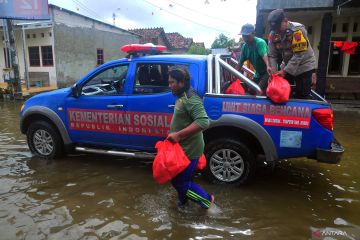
229, 161
44, 140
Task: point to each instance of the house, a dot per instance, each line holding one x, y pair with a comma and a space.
179, 44
326, 21
156, 36
60, 51
175, 42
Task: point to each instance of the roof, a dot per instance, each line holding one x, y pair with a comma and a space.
148, 34
178, 41
89, 18
172, 40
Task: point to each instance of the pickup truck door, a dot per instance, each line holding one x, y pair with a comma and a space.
98, 114
151, 103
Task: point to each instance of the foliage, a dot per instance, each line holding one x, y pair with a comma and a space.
223, 41
196, 49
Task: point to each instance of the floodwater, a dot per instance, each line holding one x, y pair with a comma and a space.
101, 197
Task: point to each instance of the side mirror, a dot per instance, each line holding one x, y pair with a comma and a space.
75, 91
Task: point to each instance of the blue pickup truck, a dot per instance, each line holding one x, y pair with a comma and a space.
125, 106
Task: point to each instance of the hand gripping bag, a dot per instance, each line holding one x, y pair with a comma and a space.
170, 160
278, 89
235, 88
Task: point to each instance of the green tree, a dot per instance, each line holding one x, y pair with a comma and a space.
196, 49
223, 41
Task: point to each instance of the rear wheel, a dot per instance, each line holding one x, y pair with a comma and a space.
44, 140
229, 161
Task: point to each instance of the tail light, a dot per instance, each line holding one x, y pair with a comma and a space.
325, 117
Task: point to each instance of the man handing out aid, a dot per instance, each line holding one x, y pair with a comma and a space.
290, 52
255, 50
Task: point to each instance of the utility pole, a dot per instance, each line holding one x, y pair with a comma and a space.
114, 18
27, 81
14, 76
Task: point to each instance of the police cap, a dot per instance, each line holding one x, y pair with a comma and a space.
275, 18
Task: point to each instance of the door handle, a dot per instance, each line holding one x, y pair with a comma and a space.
115, 106
171, 106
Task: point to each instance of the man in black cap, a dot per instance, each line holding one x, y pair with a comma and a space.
255, 50
290, 52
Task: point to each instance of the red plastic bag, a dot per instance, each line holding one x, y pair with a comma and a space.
235, 88
278, 89
201, 163
170, 160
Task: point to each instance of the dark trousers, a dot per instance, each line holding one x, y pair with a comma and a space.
188, 190
303, 84
262, 81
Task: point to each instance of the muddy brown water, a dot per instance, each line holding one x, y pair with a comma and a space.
101, 197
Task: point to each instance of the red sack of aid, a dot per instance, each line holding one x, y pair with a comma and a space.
278, 89
235, 88
201, 163
170, 160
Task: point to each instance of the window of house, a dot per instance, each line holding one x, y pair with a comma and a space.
345, 27
355, 27
108, 82
42, 35
336, 57
50, 34
34, 57
354, 63
34, 35
99, 56
47, 56
152, 78
310, 30
333, 28
27, 35
6, 58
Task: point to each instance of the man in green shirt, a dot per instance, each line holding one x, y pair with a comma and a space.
187, 124
255, 50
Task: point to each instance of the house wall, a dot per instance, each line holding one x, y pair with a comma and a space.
75, 40
159, 40
38, 41
76, 43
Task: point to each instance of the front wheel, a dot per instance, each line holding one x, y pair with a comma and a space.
44, 140
229, 161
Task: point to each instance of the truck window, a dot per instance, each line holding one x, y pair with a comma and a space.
152, 78
108, 82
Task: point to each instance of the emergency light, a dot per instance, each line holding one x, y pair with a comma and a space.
147, 48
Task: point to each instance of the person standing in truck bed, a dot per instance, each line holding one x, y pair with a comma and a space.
255, 50
291, 53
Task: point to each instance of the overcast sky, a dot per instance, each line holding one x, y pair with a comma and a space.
201, 20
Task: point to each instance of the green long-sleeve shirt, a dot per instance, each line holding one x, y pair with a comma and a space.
189, 109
